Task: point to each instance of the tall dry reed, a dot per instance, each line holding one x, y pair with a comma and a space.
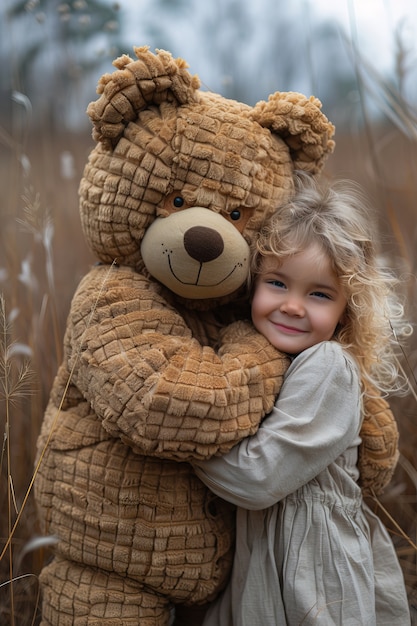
39, 217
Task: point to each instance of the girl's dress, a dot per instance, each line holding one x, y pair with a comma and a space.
308, 549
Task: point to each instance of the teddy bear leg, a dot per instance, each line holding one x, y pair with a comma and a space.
75, 595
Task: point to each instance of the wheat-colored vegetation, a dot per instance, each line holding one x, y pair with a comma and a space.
42, 258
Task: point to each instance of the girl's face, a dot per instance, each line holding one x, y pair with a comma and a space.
298, 303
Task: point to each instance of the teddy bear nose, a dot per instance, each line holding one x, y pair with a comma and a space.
203, 244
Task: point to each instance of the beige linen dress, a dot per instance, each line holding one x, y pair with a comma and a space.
308, 549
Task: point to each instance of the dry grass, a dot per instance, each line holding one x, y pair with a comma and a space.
39, 218
384, 162
42, 258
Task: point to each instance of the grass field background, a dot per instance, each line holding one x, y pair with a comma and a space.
42, 259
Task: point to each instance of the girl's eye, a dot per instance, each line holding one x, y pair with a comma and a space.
276, 283
321, 294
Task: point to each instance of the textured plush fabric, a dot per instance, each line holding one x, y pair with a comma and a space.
160, 372
378, 454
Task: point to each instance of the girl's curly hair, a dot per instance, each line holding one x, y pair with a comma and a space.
337, 217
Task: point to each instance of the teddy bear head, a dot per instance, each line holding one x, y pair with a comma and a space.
181, 179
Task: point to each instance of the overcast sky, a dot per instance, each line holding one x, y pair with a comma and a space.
374, 23
371, 23
224, 52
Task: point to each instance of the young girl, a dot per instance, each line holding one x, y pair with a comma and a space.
308, 549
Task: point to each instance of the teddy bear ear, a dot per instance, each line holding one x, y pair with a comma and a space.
300, 122
136, 84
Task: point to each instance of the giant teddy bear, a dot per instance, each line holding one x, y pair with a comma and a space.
159, 366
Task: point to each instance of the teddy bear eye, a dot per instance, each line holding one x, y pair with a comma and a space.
235, 215
178, 202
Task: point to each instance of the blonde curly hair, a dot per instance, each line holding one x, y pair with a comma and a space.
338, 218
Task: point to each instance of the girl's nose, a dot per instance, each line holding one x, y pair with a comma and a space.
292, 306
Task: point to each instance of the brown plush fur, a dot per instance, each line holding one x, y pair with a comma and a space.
157, 373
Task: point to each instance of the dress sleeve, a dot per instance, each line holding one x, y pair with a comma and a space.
315, 419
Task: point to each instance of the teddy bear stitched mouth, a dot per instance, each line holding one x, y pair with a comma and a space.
203, 244
196, 282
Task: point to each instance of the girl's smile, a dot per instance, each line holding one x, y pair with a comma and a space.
289, 329
299, 302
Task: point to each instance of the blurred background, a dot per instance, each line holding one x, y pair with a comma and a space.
359, 57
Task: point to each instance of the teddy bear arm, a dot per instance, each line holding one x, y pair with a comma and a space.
222, 396
378, 452
155, 386
192, 406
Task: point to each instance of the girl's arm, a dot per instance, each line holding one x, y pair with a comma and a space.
315, 419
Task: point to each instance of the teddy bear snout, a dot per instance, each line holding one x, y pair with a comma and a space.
196, 253
203, 244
